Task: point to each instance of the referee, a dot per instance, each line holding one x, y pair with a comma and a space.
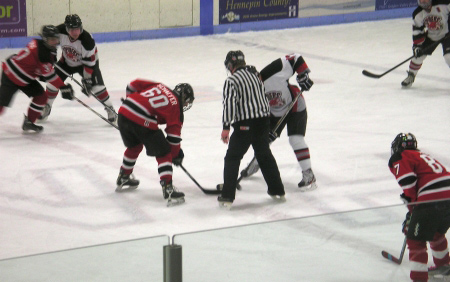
246, 108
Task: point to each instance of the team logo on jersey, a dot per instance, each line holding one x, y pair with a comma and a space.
71, 53
433, 22
275, 98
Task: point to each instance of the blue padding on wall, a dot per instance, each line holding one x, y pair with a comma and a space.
314, 21
207, 27
206, 17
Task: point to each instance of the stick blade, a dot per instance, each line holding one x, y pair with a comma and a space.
211, 191
369, 74
390, 257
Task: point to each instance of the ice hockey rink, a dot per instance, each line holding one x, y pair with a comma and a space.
57, 187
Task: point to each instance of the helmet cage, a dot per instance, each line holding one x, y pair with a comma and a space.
186, 94
403, 141
233, 59
47, 32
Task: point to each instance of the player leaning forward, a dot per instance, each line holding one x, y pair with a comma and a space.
280, 94
426, 189
20, 72
430, 24
147, 105
79, 55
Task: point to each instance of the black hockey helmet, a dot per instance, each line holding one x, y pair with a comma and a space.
47, 32
73, 21
403, 141
233, 59
186, 94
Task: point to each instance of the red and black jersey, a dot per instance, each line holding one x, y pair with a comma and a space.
421, 177
35, 60
151, 103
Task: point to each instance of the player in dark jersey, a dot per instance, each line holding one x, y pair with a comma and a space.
79, 55
280, 93
430, 24
149, 104
21, 70
426, 190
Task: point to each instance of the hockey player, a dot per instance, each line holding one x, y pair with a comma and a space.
423, 179
147, 105
21, 70
79, 55
246, 108
430, 24
280, 94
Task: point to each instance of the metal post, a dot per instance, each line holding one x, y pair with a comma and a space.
172, 263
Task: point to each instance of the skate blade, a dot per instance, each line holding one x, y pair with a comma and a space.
121, 189
280, 199
225, 205
438, 277
175, 202
311, 187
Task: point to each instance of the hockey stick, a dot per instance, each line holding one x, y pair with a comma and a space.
92, 110
392, 258
244, 172
372, 75
206, 191
85, 89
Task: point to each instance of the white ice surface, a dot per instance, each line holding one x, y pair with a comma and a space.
57, 188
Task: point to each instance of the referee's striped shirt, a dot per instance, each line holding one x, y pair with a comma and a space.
243, 97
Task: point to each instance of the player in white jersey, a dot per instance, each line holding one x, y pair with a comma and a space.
280, 93
430, 25
79, 55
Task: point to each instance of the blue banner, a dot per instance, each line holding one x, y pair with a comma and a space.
235, 11
394, 4
13, 18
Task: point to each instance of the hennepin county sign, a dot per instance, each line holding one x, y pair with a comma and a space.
234, 11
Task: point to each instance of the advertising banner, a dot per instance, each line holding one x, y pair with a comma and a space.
394, 4
235, 11
13, 18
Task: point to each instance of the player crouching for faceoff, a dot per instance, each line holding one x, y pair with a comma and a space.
430, 25
280, 94
147, 105
426, 190
21, 70
79, 55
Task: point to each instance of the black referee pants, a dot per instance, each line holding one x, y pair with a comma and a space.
253, 132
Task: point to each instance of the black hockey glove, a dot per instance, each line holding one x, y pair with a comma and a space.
418, 51
405, 224
272, 136
178, 159
87, 86
67, 92
304, 81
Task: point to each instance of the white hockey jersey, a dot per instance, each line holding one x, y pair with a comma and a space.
433, 23
81, 52
276, 77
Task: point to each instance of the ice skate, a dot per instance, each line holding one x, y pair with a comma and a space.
441, 272
409, 79
29, 126
170, 193
308, 182
45, 113
278, 198
112, 116
126, 182
225, 202
251, 169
